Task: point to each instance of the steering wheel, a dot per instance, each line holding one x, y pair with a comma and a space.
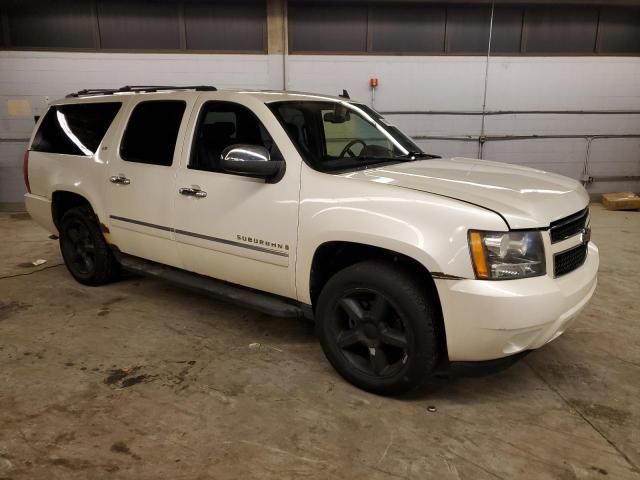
347, 148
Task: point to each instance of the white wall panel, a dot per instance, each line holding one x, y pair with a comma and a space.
11, 177
450, 148
614, 157
562, 124
448, 125
405, 82
564, 83
565, 157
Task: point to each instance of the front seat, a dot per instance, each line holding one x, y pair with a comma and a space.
214, 138
295, 134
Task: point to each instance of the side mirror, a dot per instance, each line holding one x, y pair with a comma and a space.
252, 161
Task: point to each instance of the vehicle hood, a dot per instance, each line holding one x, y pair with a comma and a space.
524, 197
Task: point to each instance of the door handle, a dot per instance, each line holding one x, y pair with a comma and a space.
120, 180
192, 192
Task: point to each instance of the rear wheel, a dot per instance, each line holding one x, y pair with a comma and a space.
377, 327
84, 250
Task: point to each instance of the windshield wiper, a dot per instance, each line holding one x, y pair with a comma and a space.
416, 154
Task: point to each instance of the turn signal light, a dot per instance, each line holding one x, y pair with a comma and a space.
477, 252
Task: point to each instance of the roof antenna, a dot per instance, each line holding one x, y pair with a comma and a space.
345, 94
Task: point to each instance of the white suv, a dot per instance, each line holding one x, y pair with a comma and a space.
309, 205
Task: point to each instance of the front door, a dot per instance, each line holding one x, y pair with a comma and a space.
141, 179
233, 227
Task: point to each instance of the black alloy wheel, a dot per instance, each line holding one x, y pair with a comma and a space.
80, 249
377, 326
370, 332
85, 252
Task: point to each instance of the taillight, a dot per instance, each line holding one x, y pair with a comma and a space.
25, 171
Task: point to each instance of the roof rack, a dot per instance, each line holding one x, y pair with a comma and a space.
140, 88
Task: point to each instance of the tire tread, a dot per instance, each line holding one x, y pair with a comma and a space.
107, 268
418, 302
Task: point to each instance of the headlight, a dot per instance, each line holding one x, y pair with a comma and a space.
507, 255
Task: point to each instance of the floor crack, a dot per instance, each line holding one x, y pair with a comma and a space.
32, 272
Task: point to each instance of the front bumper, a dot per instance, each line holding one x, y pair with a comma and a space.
486, 320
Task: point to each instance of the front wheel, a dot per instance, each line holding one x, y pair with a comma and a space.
377, 324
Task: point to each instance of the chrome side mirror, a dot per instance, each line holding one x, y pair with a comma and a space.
252, 161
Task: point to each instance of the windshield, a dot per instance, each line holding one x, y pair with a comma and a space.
336, 136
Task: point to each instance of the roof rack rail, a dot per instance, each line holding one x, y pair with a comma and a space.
140, 88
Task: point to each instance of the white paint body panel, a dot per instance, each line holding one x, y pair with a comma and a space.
485, 320
420, 209
526, 198
237, 208
148, 198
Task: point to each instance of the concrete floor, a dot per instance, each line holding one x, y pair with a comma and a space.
144, 380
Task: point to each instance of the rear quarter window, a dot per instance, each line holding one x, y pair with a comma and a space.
76, 129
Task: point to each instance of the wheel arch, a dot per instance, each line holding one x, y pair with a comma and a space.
62, 201
332, 256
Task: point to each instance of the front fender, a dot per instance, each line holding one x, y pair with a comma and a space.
428, 228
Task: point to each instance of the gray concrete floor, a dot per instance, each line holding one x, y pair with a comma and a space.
144, 380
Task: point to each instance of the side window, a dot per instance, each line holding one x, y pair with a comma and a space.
75, 129
152, 132
294, 122
222, 124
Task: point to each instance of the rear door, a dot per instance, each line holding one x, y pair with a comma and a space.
142, 174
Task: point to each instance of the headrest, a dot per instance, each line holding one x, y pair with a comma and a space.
218, 130
292, 129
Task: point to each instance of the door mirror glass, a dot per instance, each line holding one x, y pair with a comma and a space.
253, 161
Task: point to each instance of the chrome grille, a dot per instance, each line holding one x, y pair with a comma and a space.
567, 261
569, 226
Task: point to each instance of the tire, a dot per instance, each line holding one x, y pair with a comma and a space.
84, 249
377, 327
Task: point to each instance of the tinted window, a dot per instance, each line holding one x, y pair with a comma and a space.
221, 125
327, 28
412, 28
3, 41
74, 129
238, 25
152, 132
60, 24
468, 28
560, 29
619, 30
507, 29
138, 25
